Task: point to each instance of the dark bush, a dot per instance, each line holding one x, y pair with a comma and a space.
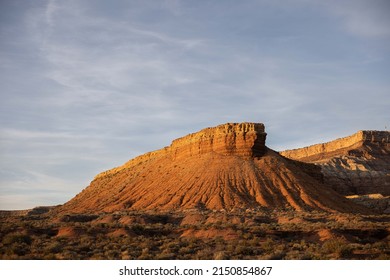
17, 238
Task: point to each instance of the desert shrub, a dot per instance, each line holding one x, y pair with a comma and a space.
171, 246
78, 218
338, 247
307, 256
112, 254
204, 253
301, 246
70, 255
383, 256
345, 252
243, 250
166, 255
54, 248
268, 245
19, 249
17, 238
186, 250
48, 256
159, 218
158, 239
221, 255
381, 245
145, 254
276, 255
259, 231
253, 241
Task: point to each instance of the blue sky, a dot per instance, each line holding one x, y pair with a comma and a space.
88, 85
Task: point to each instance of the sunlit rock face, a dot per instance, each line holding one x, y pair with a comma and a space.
240, 139
224, 167
357, 164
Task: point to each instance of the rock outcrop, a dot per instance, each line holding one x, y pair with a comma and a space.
224, 167
240, 139
357, 164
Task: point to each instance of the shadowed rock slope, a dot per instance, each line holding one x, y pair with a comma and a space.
224, 167
357, 164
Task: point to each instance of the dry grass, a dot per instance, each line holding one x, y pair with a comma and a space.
196, 234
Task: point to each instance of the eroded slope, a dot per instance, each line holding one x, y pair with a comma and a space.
226, 167
357, 164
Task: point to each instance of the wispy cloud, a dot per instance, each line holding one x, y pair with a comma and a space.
33, 189
362, 17
50, 12
86, 87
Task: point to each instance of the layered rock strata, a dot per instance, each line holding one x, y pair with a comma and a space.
225, 167
239, 139
357, 164
324, 151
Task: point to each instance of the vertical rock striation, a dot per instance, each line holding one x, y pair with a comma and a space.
240, 139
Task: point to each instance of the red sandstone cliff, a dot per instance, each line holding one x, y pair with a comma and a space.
224, 167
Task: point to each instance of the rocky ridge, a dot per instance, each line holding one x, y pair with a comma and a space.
357, 164
240, 139
224, 167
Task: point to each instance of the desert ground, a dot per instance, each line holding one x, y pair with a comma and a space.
194, 234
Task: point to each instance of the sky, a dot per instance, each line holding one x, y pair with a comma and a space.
87, 85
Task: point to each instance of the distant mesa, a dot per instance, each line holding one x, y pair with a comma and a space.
355, 165
224, 167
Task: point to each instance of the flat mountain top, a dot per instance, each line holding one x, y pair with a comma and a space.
224, 167
355, 165
378, 141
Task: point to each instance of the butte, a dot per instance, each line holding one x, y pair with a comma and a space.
224, 167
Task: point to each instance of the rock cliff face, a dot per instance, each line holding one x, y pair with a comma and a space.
240, 139
357, 164
224, 167
318, 152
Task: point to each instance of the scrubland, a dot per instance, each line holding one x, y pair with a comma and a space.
195, 234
